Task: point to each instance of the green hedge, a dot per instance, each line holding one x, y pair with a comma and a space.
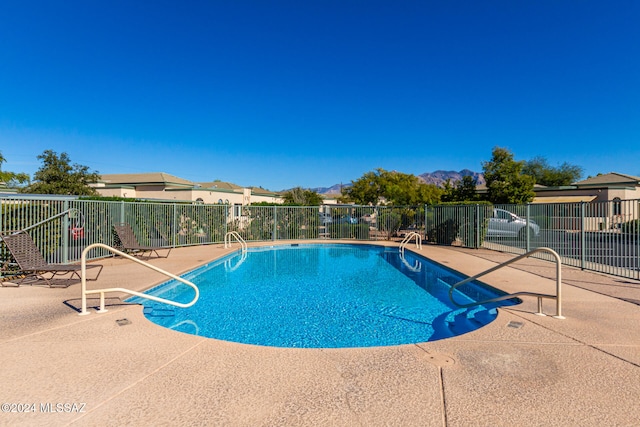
455, 222
631, 227
348, 231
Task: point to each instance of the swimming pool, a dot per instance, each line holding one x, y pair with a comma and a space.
322, 296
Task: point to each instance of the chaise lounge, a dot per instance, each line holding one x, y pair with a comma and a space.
31, 262
129, 242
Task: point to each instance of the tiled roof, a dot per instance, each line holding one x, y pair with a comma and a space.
220, 184
610, 178
262, 192
145, 178
563, 199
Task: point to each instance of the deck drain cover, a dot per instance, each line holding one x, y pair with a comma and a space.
516, 325
440, 360
122, 322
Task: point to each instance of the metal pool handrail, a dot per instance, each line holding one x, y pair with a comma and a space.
416, 267
85, 292
238, 237
557, 296
408, 238
72, 212
230, 268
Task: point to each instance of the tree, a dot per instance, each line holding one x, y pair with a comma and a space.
364, 191
463, 191
12, 179
58, 176
550, 176
395, 187
301, 197
505, 181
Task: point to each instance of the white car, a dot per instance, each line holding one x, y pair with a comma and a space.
505, 223
325, 218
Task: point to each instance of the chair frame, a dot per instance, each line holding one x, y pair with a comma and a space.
32, 264
129, 242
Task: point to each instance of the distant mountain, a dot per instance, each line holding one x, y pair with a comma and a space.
438, 178
334, 189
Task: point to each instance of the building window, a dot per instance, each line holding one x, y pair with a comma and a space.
617, 206
237, 209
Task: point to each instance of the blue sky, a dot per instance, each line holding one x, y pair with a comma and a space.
281, 94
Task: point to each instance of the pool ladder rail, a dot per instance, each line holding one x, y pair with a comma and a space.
557, 296
234, 234
407, 239
416, 267
85, 292
230, 267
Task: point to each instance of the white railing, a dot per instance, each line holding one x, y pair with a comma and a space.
229, 266
85, 292
237, 236
557, 296
407, 240
416, 267
72, 212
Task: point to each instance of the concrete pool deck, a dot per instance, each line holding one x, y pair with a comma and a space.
117, 368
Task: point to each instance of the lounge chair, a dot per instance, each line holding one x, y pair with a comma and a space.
31, 262
129, 242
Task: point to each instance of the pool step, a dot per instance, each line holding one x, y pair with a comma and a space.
470, 320
159, 310
461, 323
486, 316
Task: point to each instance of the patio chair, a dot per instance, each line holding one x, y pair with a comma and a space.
33, 265
129, 242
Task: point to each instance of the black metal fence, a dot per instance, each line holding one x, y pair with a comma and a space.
603, 236
598, 236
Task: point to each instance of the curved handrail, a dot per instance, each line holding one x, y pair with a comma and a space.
238, 237
73, 213
557, 296
187, 322
408, 238
416, 267
230, 268
85, 292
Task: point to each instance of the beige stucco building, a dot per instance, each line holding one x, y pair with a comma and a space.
166, 187
601, 188
612, 200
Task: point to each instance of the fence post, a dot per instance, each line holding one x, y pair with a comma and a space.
65, 233
528, 228
426, 226
122, 211
275, 223
226, 220
582, 236
635, 230
174, 234
477, 227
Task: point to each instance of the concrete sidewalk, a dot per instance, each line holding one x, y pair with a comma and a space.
117, 368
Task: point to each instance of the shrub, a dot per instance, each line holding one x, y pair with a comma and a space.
451, 222
390, 222
631, 227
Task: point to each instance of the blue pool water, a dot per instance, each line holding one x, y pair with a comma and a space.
322, 296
